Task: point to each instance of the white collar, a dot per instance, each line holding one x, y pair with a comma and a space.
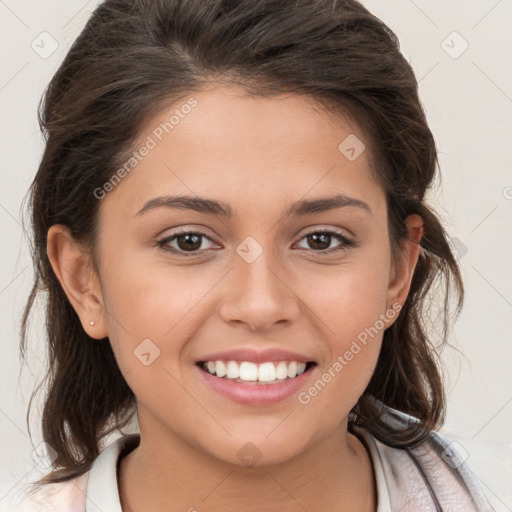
383, 498
102, 490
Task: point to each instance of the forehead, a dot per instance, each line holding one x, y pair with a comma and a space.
222, 142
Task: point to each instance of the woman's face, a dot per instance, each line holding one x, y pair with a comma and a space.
256, 274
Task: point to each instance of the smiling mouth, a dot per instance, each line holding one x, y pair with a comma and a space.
247, 372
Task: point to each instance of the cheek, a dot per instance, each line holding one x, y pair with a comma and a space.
350, 297
150, 299
155, 309
352, 323
350, 309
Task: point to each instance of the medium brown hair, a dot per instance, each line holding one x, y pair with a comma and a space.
134, 58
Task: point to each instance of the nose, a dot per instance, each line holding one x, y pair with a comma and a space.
259, 294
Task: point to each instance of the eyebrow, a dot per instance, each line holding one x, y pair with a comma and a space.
212, 207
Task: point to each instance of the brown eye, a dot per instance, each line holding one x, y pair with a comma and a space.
186, 242
189, 242
320, 241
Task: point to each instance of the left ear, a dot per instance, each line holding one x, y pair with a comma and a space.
403, 269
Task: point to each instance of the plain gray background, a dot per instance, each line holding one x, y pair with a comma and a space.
461, 52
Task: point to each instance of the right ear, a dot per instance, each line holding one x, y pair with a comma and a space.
73, 268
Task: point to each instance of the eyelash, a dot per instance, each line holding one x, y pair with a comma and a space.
346, 242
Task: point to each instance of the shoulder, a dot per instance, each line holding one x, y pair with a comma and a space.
430, 476
66, 496
97, 487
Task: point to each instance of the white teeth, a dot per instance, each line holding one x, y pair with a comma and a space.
232, 370
249, 371
281, 370
220, 369
292, 369
266, 372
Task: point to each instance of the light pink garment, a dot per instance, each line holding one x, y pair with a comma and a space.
62, 497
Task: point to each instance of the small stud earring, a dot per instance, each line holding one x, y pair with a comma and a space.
91, 322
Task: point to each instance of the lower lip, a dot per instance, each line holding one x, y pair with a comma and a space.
256, 394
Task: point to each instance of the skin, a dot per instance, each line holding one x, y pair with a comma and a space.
259, 155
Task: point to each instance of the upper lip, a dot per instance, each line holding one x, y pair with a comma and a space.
256, 356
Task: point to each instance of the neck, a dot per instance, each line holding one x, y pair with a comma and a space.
166, 474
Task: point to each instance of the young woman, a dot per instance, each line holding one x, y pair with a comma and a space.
230, 226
